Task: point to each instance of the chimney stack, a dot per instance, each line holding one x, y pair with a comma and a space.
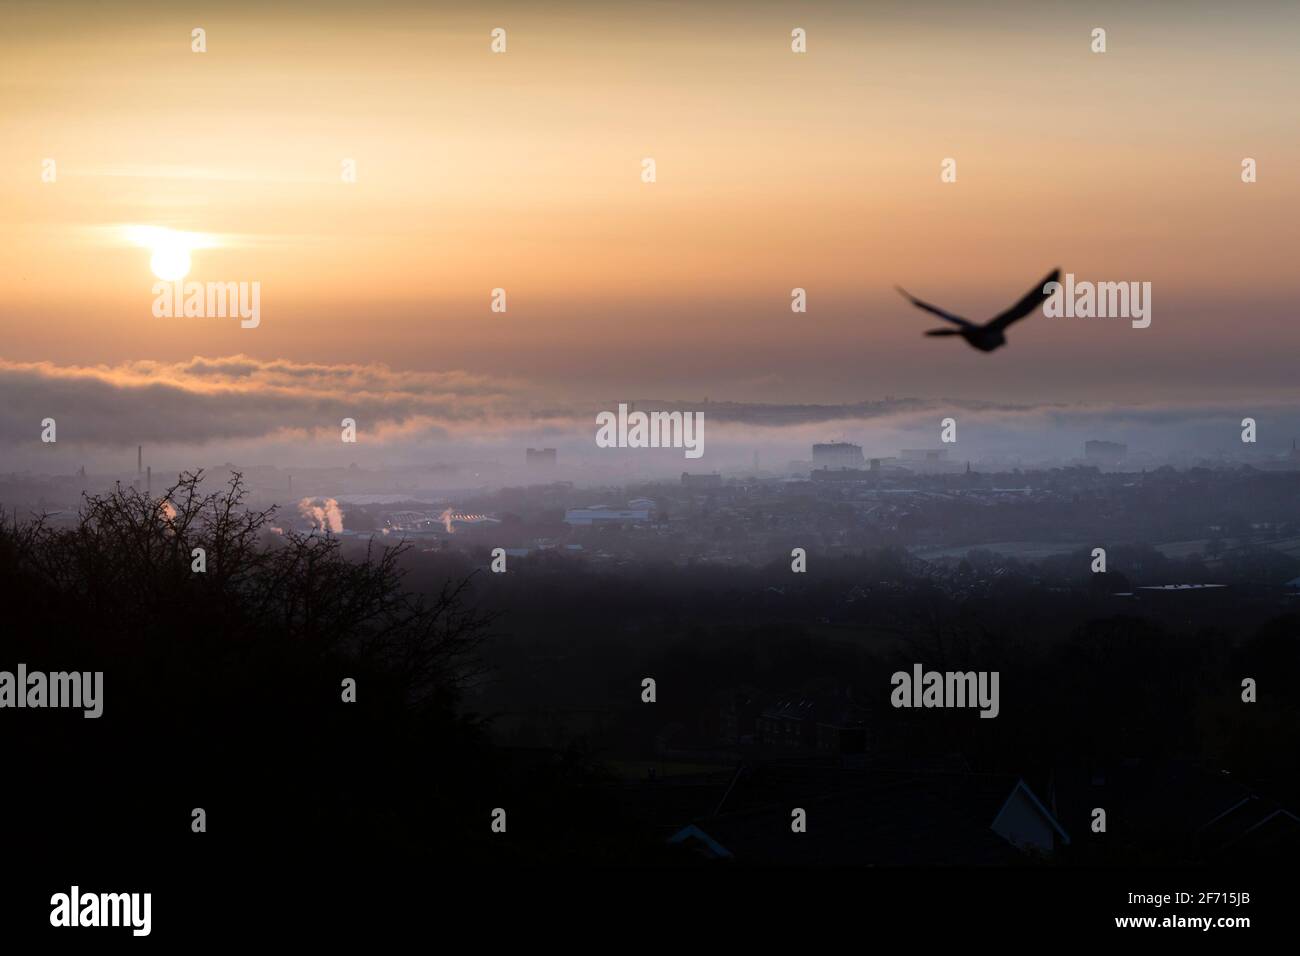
139, 459
148, 481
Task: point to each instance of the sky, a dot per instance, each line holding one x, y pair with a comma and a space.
523, 171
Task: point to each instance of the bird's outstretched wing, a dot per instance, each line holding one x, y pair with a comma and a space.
943, 332
1032, 300
930, 308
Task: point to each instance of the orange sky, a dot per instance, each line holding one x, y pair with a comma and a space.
775, 170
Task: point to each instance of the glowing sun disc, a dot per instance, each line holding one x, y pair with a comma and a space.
170, 262
170, 248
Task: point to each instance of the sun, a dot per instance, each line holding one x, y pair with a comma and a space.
171, 249
170, 262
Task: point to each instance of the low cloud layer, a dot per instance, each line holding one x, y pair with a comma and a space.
239, 398
241, 406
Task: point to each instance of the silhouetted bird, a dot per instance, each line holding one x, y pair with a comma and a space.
988, 336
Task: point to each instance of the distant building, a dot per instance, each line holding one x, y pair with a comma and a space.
1104, 451
540, 457
701, 481
470, 520
840, 474
788, 723
929, 461
924, 454
837, 454
430, 521
602, 514
831, 725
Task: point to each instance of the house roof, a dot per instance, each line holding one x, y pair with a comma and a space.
1150, 802
1247, 822
859, 817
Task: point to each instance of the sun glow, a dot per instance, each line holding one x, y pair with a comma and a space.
170, 262
171, 249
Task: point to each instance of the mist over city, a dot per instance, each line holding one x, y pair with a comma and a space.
648, 472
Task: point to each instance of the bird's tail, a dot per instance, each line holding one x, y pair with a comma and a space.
943, 332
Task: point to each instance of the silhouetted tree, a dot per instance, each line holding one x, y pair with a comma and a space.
223, 687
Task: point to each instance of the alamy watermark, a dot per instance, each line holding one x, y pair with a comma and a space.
922, 688
75, 689
631, 429
103, 909
209, 300
1103, 300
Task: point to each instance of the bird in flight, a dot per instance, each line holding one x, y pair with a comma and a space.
988, 336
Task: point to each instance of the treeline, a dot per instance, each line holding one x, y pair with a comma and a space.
228, 689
